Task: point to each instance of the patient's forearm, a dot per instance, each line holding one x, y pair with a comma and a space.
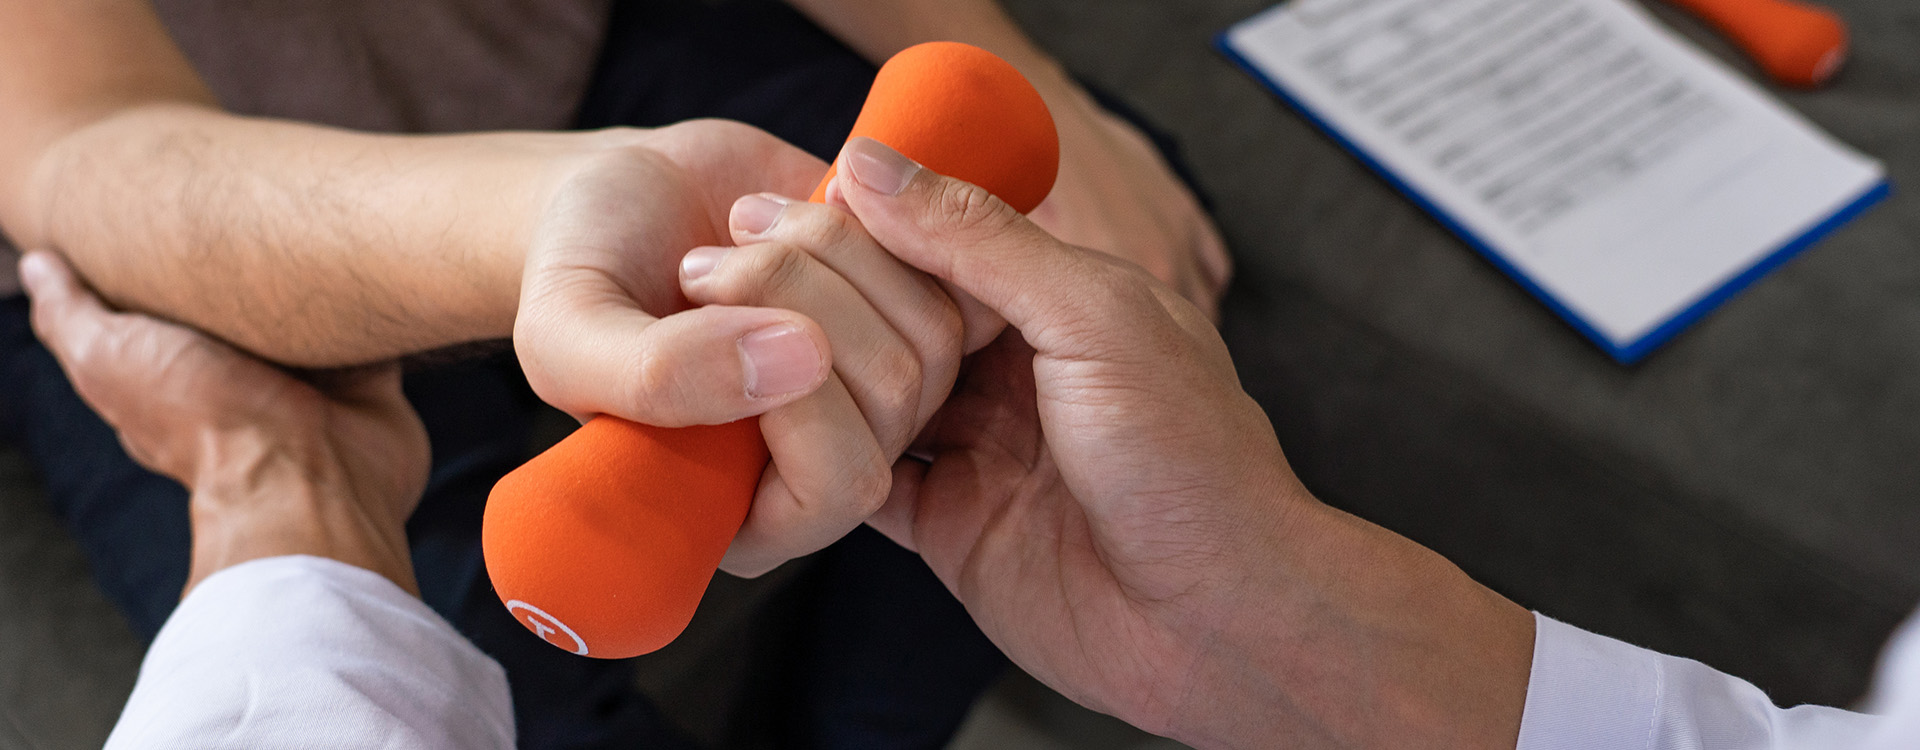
307, 245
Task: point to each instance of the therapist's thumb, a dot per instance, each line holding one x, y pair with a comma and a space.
1058, 295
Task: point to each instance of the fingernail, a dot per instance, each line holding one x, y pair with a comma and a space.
35, 272
756, 214
779, 360
702, 261
879, 168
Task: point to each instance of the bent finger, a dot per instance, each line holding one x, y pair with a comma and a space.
590, 350
1065, 300
828, 476
921, 308
879, 366
894, 520
66, 315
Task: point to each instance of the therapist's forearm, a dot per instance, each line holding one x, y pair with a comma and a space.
1363, 639
306, 245
879, 28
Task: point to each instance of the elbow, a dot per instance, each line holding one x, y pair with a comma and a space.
43, 153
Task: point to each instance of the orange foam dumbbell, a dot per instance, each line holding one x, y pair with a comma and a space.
1796, 43
604, 544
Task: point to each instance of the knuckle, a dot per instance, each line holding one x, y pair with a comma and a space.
868, 488
818, 228
761, 273
536, 352
1120, 288
894, 377
616, 137
673, 136
718, 127
1183, 312
1163, 268
92, 350
1117, 307
542, 383
963, 209
655, 388
82, 353
106, 373
943, 339
624, 159
703, 143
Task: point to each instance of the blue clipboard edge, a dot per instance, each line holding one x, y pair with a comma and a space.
1626, 354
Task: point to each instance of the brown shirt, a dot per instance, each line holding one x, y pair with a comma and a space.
414, 66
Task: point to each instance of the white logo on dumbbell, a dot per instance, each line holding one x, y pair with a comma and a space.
546, 626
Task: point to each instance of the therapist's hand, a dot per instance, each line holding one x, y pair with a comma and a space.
1117, 515
330, 465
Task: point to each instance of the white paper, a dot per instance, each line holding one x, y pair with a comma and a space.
1622, 172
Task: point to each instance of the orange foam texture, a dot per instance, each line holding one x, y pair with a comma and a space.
962, 112
1797, 44
604, 544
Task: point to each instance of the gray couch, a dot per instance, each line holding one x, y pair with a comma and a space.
1748, 496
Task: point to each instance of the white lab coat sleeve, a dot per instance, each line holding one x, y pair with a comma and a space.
305, 652
1590, 692
1896, 693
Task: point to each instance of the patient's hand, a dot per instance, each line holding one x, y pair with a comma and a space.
597, 331
896, 338
330, 465
774, 309
1117, 195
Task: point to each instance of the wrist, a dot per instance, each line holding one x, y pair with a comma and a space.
513, 194
1353, 637
259, 493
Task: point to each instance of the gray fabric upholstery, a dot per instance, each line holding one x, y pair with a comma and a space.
67, 660
425, 66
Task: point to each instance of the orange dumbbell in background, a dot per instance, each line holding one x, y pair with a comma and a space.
1797, 44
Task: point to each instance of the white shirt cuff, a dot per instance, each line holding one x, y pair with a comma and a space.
309, 652
1590, 692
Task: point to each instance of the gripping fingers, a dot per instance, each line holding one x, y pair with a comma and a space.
916, 305
881, 370
828, 476
588, 349
1068, 302
66, 316
158, 384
